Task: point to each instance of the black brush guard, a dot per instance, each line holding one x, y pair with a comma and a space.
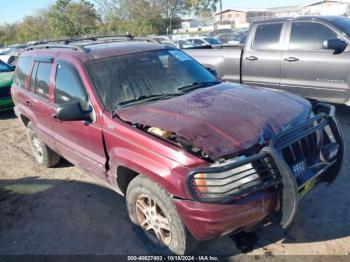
297, 146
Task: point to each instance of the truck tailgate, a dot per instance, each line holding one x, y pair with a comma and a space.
226, 61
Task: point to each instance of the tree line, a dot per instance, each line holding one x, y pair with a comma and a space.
70, 18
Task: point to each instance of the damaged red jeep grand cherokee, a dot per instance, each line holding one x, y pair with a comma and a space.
196, 158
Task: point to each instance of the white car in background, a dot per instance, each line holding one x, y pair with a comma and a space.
183, 44
10, 54
205, 41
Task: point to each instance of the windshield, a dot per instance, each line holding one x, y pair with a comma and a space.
148, 74
4, 67
212, 41
343, 24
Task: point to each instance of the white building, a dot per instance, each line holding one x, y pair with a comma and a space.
286, 11
327, 7
241, 17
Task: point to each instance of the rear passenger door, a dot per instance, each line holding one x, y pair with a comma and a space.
308, 69
78, 141
261, 64
38, 99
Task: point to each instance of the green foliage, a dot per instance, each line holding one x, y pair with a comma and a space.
69, 18
8, 33
34, 27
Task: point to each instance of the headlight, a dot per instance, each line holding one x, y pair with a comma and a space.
225, 183
239, 177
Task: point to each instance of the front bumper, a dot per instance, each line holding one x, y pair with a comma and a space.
292, 160
6, 104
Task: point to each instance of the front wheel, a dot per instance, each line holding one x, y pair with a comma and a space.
44, 155
156, 220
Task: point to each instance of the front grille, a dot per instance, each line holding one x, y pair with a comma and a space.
301, 146
5, 92
304, 149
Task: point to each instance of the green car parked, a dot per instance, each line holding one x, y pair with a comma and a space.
6, 79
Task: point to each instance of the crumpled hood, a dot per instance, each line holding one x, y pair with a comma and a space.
224, 119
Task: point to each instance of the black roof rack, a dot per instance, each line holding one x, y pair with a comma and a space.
45, 46
69, 42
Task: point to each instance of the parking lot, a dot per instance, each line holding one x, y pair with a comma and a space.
65, 211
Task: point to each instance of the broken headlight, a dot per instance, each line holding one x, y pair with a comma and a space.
239, 177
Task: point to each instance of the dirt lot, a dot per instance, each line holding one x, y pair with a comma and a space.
65, 211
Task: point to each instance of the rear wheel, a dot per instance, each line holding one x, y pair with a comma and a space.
43, 154
156, 220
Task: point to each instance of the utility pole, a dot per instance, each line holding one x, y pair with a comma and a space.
220, 12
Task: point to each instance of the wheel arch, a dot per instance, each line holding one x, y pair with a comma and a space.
128, 164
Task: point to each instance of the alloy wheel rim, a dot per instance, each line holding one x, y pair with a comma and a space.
38, 152
152, 218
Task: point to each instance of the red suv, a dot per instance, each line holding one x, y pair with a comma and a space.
196, 158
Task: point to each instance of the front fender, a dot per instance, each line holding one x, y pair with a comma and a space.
167, 173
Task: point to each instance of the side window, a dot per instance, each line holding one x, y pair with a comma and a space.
267, 36
69, 86
33, 77
22, 70
40, 79
198, 42
309, 36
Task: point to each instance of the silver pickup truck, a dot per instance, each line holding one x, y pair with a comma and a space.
308, 56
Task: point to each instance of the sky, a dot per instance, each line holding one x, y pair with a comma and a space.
14, 10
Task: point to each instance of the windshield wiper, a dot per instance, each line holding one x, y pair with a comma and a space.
196, 85
148, 98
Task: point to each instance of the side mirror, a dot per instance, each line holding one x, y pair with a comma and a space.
335, 44
72, 111
213, 71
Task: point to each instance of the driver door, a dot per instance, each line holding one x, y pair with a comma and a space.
78, 141
308, 69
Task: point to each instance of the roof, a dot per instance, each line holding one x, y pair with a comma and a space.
242, 10
91, 50
307, 17
320, 2
290, 8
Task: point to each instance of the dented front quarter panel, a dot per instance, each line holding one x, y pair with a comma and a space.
164, 163
222, 120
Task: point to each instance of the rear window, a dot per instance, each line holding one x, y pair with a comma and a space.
343, 24
267, 36
212, 41
22, 70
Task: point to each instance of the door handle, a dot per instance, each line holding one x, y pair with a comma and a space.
251, 58
54, 116
291, 59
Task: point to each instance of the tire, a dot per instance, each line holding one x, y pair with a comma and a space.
177, 240
42, 153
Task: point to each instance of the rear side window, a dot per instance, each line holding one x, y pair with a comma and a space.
40, 79
22, 70
198, 42
309, 36
69, 86
267, 36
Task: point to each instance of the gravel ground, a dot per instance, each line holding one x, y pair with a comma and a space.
65, 211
